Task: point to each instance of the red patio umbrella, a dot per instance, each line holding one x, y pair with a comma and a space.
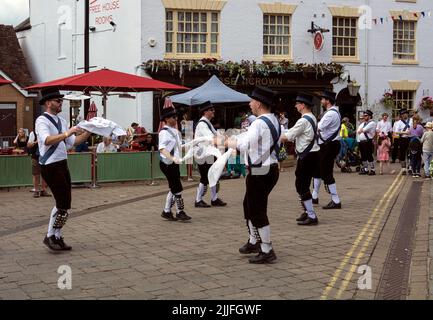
4, 82
106, 81
92, 111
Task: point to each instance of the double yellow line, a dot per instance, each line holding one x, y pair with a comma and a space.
369, 229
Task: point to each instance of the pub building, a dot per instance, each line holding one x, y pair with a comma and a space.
359, 52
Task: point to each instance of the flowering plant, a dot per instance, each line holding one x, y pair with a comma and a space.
388, 100
426, 103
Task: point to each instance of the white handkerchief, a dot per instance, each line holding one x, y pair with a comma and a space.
102, 127
217, 168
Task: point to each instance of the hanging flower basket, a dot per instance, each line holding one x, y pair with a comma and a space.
353, 88
426, 103
388, 100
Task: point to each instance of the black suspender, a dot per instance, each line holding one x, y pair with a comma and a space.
275, 137
43, 160
335, 134
307, 150
175, 138
209, 126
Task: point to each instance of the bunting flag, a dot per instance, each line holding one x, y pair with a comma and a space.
418, 14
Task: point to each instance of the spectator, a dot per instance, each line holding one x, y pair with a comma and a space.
120, 142
130, 132
83, 146
106, 146
384, 126
39, 184
383, 147
21, 140
416, 129
395, 141
283, 120
148, 144
427, 148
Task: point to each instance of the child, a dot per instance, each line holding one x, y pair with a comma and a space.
383, 147
415, 149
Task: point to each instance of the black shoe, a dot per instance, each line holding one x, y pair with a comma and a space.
403, 173
264, 257
363, 172
316, 201
249, 248
63, 245
302, 217
52, 243
218, 203
201, 204
332, 205
182, 216
309, 222
168, 216
372, 173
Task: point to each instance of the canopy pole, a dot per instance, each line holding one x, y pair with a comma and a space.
104, 104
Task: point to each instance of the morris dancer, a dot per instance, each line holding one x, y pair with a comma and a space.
170, 148
304, 132
54, 140
206, 129
262, 144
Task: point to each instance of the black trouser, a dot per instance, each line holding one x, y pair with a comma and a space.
366, 148
403, 146
305, 171
395, 149
204, 169
172, 173
58, 178
256, 196
327, 154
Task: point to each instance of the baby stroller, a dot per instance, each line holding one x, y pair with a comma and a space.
348, 156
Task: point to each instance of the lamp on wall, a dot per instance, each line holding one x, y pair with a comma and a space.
353, 87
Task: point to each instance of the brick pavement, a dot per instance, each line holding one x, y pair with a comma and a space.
126, 251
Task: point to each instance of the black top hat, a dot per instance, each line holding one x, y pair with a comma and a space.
368, 113
264, 95
204, 106
403, 111
50, 94
168, 113
305, 98
330, 95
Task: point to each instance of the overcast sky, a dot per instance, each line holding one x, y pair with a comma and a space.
13, 12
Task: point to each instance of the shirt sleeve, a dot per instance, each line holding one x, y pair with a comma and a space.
32, 137
245, 140
296, 130
163, 140
43, 131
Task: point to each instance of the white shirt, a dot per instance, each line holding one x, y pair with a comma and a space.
204, 129
258, 141
369, 129
384, 127
400, 126
329, 124
170, 140
44, 129
102, 148
303, 133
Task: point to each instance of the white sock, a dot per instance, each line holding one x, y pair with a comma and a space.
200, 191
179, 202
214, 193
58, 233
265, 235
333, 191
253, 239
51, 230
316, 187
168, 202
309, 209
